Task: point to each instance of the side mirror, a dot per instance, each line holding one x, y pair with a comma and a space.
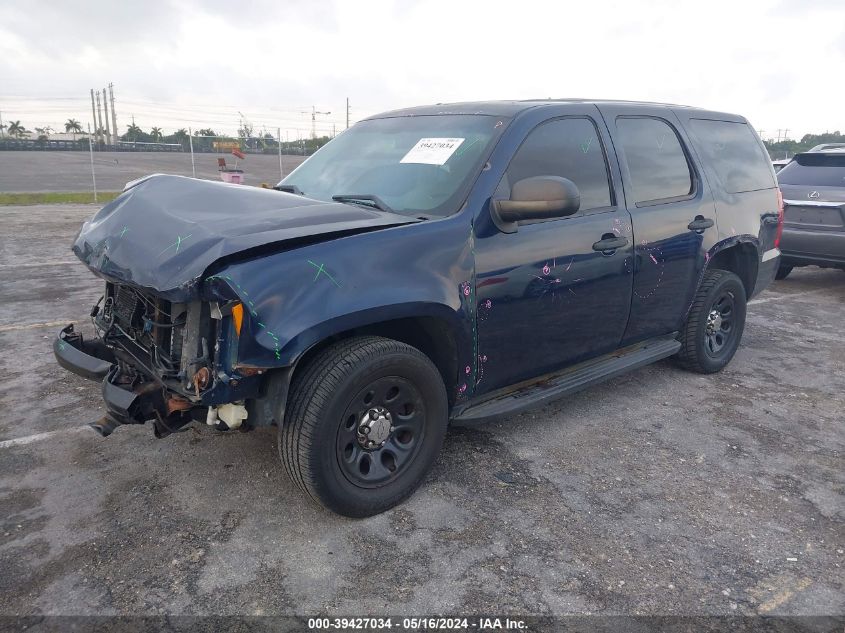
536, 198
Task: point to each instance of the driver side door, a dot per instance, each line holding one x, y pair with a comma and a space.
545, 297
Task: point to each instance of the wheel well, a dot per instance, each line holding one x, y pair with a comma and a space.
430, 335
741, 260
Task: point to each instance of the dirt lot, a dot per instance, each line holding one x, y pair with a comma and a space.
662, 492
71, 171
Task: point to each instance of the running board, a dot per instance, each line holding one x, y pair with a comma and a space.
539, 391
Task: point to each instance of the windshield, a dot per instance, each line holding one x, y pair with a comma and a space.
414, 164
814, 170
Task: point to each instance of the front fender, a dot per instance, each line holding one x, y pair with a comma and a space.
302, 296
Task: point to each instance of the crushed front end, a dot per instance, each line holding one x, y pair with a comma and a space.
163, 361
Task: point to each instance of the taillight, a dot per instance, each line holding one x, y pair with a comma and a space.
779, 231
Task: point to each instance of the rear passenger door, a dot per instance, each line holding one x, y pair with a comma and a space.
672, 212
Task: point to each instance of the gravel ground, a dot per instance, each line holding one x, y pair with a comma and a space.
71, 171
662, 492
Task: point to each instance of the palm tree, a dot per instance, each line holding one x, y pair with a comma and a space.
181, 136
16, 129
156, 133
74, 127
133, 131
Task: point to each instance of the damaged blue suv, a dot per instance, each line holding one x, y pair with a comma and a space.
445, 263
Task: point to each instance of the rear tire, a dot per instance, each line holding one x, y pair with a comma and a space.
783, 272
365, 421
711, 335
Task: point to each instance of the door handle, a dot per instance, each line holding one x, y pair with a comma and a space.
609, 243
699, 224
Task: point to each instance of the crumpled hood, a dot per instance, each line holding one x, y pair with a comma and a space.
164, 232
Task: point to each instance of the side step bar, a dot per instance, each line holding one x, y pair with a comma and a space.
539, 391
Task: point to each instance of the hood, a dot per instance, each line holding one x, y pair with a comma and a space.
165, 231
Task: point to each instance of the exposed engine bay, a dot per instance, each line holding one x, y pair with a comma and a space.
163, 353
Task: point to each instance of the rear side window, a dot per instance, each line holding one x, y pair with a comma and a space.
814, 170
569, 148
656, 160
736, 155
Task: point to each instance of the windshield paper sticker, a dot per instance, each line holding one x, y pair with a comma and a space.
432, 151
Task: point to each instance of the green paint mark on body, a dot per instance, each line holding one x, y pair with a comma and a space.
321, 269
177, 244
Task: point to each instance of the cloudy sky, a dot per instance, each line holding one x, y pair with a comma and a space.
181, 63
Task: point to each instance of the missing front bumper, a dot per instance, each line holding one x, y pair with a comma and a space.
127, 399
90, 359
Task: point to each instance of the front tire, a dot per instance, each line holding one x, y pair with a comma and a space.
711, 335
365, 421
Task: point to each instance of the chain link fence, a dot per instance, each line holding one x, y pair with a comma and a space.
84, 164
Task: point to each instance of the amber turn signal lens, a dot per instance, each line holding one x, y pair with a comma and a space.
238, 316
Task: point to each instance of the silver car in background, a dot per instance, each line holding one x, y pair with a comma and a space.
813, 187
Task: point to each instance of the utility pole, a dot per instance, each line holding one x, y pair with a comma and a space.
314, 114
191, 142
279, 136
106, 112
99, 121
91, 155
113, 116
93, 111
347, 113
786, 134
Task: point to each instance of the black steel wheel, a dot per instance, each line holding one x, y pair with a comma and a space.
714, 326
365, 421
381, 432
718, 331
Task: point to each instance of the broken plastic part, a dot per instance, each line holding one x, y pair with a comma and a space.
211, 418
232, 414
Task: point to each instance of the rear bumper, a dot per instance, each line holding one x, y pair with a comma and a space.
767, 270
805, 247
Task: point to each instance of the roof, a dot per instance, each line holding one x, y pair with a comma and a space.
511, 108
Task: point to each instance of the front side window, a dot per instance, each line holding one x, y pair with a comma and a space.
569, 148
656, 161
413, 164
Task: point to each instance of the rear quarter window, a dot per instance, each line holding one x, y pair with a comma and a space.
735, 154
